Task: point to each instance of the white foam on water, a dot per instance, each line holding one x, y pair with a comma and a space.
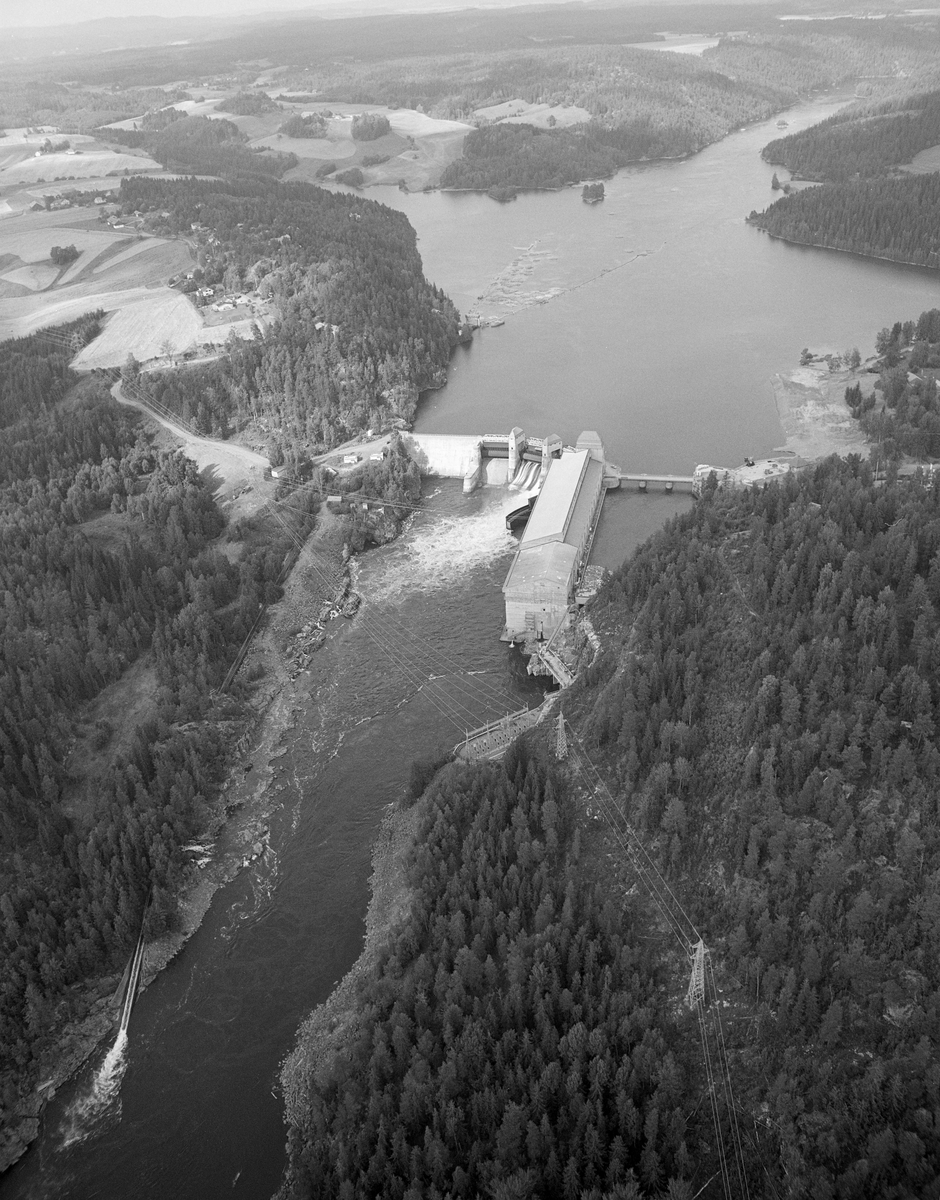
439, 548
87, 1112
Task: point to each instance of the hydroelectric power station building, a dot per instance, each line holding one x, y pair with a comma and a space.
554, 549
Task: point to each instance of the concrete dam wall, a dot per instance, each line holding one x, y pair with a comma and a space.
455, 456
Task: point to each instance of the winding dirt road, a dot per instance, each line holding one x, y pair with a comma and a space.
233, 468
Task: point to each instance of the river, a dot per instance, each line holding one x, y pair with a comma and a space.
656, 318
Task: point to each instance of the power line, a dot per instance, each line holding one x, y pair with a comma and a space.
703, 996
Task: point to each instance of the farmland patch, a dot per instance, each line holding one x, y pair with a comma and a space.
34, 245
75, 166
162, 323
35, 277
543, 116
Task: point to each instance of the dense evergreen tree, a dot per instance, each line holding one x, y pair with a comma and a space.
898, 219
312, 125
861, 141
516, 1040
769, 708
360, 333
78, 610
248, 104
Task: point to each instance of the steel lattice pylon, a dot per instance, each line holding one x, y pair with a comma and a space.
561, 741
696, 993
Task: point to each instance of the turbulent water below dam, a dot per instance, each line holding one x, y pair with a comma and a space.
657, 318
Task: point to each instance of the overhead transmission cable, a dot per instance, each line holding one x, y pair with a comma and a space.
715, 1057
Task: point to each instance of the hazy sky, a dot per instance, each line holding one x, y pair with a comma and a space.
67, 12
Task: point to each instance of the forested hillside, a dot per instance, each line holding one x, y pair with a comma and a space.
898, 219
879, 58
502, 158
115, 589
29, 97
768, 707
860, 141
518, 1039
766, 710
361, 332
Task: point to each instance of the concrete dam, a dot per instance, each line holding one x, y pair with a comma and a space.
482, 460
497, 459
541, 589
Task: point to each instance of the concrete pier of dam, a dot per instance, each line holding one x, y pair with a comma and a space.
498, 459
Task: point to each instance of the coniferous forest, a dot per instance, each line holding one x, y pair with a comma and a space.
360, 331
861, 141
893, 218
111, 570
770, 711
517, 1039
766, 710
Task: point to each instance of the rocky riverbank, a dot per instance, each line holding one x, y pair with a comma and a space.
336, 1022
236, 831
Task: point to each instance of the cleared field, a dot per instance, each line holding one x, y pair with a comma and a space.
927, 162
98, 183
25, 315
34, 245
204, 107
218, 335
131, 252
35, 277
543, 116
85, 259
421, 166
76, 166
19, 137
145, 328
322, 149
414, 124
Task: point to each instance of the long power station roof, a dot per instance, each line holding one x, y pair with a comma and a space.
547, 555
556, 501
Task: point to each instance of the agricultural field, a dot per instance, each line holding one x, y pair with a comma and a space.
90, 160
416, 151
116, 270
204, 107
543, 116
88, 165
152, 326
